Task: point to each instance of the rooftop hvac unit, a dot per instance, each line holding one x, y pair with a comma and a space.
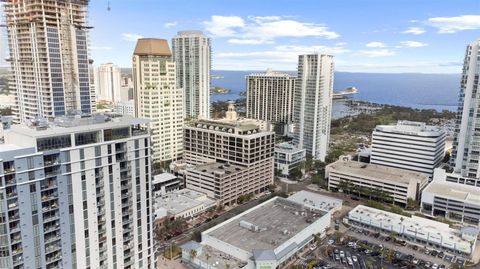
249, 226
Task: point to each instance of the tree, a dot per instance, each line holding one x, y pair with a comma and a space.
412, 204
207, 257
296, 173
446, 158
193, 255
308, 164
197, 236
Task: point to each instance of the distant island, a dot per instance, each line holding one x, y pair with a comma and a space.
219, 90
215, 77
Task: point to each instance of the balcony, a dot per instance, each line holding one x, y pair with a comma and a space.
49, 197
54, 258
50, 218
9, 170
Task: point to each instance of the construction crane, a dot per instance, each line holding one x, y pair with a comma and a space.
108, 6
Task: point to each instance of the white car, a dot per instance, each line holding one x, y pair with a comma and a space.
354, 258
313, 247
435, 266
349, 261
342, 254
331, 241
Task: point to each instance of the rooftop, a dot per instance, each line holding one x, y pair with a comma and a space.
218, 168
241, 126
163, 177
315, 200
152, 47
218, 259
271, 73
378, 172
287, 147
267, 226
411, 128
73, 124
465, 193
421, 225
182, 200
189, 33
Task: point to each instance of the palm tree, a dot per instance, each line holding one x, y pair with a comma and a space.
193, 255
227, 265
207, 256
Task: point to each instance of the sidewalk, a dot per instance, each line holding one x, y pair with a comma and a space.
163, 263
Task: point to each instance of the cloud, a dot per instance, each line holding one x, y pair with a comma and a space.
414, 31
223, 26
281, 56
170, 24
247, 41
375, 44
377, 53
264, 30
448, 25
131, 37
100, 48
413, 44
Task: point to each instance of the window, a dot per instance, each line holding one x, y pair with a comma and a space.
56, 142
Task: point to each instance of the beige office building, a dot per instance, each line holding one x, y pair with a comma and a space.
157, 97
232, 157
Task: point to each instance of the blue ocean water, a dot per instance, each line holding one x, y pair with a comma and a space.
425, 91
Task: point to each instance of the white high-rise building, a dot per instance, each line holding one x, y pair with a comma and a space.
313, 103
76, 193
158, 98
48, 43
409, 145
107, 83
466, 143
270, 97
191, 54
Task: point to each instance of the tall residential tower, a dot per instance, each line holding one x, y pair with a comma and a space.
49, 57
466, 143
76, 193
157, 97
313, 103
270, 97
107, 83
191, 54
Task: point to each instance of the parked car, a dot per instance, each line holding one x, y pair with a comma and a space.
331, 241
342, 254
354, 258
415, 261
435, 266
441, 254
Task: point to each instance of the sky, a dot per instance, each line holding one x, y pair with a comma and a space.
387, 36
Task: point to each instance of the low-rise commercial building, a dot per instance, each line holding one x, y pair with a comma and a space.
316, 201
183, 203
288, 157
400, 184
165, 183
459, 202
265, 236
409, 145
420, 230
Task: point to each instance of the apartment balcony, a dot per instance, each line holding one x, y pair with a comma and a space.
11, 204
17, 238
17, 260
17, 251
9, 170
48, 186
50, 218
11, 194
53, 162
49, 197
54, 258
51, 228
51, 239
53, 248
51, 207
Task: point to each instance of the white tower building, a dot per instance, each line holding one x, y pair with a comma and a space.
466, 143
76, 193
158, 98
313, 103
191, 54
107, 83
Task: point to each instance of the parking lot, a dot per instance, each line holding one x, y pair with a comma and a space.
400, 252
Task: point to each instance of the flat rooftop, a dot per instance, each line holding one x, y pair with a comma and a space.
217, 168
315, 200
182, 200
378, 172
411, 128
241, 126
287, 147
163, 177
278, 220
421, 225
465, 193
73, 124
